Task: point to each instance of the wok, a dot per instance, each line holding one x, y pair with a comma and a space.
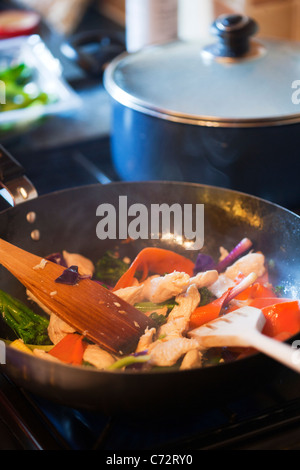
67, 220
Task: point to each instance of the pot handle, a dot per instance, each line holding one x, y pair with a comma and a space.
93, 50
233, 32
16, 187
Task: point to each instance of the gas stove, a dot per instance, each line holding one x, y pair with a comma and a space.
268, 419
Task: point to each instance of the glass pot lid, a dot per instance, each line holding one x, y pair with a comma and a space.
235, 81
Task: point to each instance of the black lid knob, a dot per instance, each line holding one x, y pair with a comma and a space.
234, 32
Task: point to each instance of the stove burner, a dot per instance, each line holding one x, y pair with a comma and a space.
268, 419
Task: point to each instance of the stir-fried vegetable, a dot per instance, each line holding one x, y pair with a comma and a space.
196, 292
204, 262
151, 306
27, 325
21, 346
206, 296
240, 249
155, 260
129, 360
110, 268
208, 312
70, 349
282, 317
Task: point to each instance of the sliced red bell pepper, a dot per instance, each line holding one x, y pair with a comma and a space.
69, 349
282, 318
156, 260
208, 312
257, 290
262, 302
211, 311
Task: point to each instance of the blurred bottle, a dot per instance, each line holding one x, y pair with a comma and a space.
150, 22
194, 19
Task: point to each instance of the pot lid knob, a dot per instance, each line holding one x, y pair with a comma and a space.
234, 32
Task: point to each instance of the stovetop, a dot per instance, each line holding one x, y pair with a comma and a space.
268, 419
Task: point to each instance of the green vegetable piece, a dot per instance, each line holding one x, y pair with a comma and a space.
158, 319
149, 306
27, 325
127, 361
206, 296
109, 268
279, 291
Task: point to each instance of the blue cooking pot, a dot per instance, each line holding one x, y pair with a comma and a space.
225, 114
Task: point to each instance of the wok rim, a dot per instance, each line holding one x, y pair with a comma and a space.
155, 182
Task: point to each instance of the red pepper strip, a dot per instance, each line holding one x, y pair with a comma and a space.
262, 302
208, 312
257, 290
282, 318
156, 260
69, 349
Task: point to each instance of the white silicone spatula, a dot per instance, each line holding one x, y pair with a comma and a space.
242, 328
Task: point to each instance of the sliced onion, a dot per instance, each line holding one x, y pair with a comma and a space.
240, 287
57, 258
70, 276
243, 246
203, 263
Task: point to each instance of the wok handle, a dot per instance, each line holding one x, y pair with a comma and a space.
16, 187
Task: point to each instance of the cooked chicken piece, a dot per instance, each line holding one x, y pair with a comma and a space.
167, 353
58, 329
145, 340
204, 279
221, 285
44, 355
132, 294
160, 288
96, 356
192, 359
179, 316
85, 266
250, 263
159, 311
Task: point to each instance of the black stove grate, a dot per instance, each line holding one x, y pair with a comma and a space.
268, 419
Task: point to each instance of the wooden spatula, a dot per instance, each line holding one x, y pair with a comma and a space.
87, 306
243, 328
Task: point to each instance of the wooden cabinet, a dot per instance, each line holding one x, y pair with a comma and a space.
276, 18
